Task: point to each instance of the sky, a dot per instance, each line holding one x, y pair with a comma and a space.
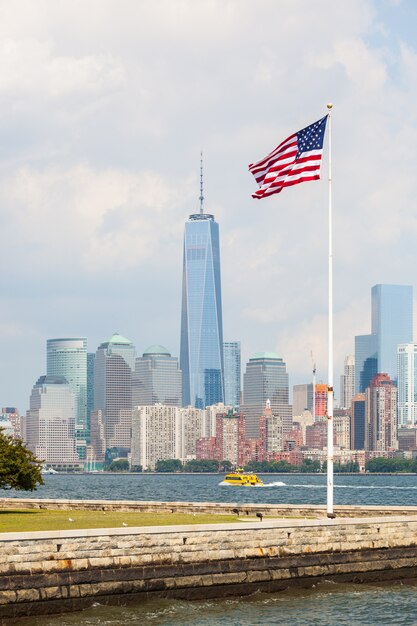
105, 106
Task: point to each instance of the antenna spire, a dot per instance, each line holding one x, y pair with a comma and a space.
201, 198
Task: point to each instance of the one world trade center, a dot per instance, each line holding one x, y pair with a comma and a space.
201, 353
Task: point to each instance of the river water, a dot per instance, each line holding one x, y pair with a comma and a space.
327, 604
365, 489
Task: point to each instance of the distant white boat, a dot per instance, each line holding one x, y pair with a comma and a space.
48, 470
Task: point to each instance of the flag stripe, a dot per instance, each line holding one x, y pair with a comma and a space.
282, 160
291, 139
295, 160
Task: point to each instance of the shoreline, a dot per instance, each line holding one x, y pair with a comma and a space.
106, 473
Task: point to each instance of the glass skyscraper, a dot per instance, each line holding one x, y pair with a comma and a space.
392, 324
366, 361
232, 375
67, 357
201, 353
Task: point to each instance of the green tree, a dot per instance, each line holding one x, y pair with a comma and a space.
201, 465
350, 467
309, 465
266, 467
168, 465
284, 466
19, 468
383, 465
119, 465
253, 466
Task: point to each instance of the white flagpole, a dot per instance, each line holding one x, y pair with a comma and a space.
330, 512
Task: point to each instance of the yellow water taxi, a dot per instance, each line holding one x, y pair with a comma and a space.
243, 479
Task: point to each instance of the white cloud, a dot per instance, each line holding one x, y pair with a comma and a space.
103, 113
29, 67
90, 219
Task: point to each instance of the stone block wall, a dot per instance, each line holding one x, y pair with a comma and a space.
47, 572
214, 508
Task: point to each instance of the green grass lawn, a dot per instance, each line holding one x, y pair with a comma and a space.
24, 520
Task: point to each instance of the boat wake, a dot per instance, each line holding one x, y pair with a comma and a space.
278, 483
377, 487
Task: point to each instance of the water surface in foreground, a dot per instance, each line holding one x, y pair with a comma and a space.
325, 605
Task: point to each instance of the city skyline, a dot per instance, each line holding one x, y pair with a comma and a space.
100, 169
64, 355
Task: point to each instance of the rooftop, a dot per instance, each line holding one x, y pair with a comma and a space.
118, 340
156, 349
265, 355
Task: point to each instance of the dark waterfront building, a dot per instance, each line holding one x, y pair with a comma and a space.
265, 379
392, 324
157, 378
201, 355
407, 440
381, 415
357, 422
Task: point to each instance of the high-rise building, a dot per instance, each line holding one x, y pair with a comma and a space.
50, 422
192, 423
232, 373
357, 422
156, 435
11, 421
161, 432
366, 361
157, 378
407, 384
381, 414
201, 354
347, 382
302, 398
67, 357
274, 432
316, 435
302, 421
392, 324
210, 417
113, 366
90, 386
341, 427
265, 379
227, 437
320, 398
407, 439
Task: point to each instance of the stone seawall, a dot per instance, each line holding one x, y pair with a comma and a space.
219, 508
46, 572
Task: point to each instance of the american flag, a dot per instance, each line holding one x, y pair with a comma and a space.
296, 160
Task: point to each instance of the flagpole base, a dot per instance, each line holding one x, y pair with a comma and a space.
331, 515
